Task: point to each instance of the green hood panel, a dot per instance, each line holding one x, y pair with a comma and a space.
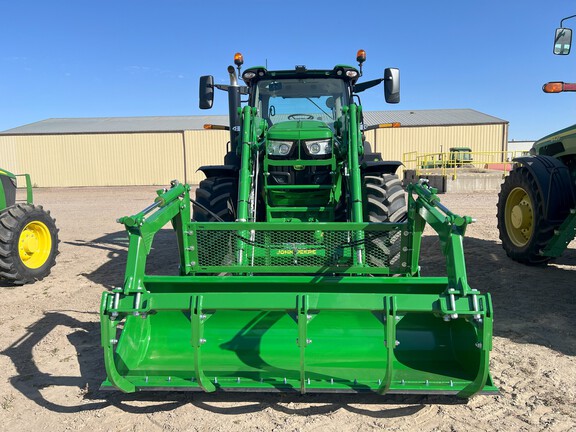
299, 130
558, 143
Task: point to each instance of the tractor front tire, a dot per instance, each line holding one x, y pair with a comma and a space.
385, 202
216, 200
522, 225
28, 243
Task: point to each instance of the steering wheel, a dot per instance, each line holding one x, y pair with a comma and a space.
300, 117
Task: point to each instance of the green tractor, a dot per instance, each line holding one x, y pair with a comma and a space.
456, 157
460, 157
298, 265
537, 201
28, 234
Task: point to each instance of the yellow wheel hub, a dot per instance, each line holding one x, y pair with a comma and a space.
35, 244
519, 217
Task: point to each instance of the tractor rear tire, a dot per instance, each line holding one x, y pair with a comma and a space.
28, 243
385, 198
522, 225
217, 197
385, 202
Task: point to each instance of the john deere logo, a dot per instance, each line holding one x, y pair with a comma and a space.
301, 252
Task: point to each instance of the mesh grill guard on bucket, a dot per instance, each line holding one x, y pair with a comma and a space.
301, 248
306, 307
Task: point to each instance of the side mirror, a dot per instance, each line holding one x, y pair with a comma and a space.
392, 85
562, 41
206, 91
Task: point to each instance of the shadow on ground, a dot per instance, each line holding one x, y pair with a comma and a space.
163, 258
535, 305
30, 381
532, 305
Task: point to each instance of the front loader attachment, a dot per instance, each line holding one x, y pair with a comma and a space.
305, 307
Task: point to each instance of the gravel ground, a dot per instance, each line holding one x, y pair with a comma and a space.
51, 361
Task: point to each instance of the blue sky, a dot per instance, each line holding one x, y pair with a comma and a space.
87, 58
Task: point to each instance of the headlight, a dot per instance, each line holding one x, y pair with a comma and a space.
319, 147
279, 148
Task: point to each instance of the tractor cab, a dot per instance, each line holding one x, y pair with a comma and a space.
303, 139
460, 156
282, 99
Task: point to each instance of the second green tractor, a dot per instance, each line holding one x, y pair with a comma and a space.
537, 201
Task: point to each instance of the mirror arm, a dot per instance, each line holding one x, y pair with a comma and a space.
243, 89
366, 85
564, 19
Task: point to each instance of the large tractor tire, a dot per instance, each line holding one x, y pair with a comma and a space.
216, 199
524, 229
28, 243
385, 202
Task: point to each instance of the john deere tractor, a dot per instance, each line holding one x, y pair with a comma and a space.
298, 260
537, 201
28, 234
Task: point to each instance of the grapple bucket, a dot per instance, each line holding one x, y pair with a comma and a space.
305, 307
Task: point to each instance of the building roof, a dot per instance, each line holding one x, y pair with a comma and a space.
55, 126
115, 125
440, 117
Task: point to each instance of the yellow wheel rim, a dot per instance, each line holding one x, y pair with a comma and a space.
35, 244
519, 217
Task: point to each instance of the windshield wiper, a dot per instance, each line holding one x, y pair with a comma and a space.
318, 106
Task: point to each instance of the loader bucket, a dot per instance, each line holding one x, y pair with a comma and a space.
252, 311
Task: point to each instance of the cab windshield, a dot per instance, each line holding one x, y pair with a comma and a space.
301, 99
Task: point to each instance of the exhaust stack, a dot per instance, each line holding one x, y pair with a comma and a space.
234, 116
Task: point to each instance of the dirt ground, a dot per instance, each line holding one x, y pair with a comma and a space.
51, 360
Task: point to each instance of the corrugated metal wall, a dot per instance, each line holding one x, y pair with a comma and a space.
156, 158
8, 158
112, 159
204, 148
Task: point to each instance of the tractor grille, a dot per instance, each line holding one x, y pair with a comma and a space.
382, 251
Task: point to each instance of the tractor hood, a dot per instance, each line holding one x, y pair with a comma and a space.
299, 130
556, 144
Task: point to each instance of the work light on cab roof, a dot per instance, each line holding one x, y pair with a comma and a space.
361, 58
238, 61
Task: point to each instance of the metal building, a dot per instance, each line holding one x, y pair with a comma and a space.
434, 131
154, 150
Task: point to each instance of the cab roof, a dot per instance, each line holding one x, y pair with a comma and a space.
344, 72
